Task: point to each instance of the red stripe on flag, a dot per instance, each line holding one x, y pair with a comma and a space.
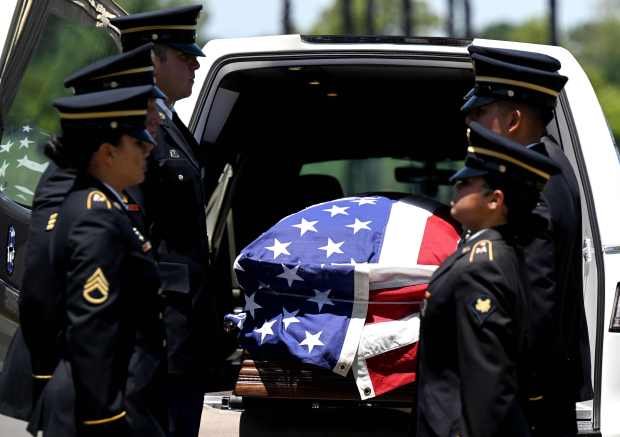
439, 241
393, 369
394, 303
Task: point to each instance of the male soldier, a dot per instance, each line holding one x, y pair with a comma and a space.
27, 369
175, 203
515, 95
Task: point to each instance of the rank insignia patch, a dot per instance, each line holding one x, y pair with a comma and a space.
96, 288
51, 222
482, 307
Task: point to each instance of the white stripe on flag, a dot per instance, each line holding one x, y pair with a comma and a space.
395, 276
403, 234
356, 324
378, 338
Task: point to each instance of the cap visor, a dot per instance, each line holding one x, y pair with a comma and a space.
142, 135
190, 49
476, 102
465, 173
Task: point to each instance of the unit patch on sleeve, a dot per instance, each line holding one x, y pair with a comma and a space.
481, 248
96, 288
97, 198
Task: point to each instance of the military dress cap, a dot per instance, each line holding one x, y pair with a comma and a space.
490, 154
174, 27
122, 109
133, 68
503, 74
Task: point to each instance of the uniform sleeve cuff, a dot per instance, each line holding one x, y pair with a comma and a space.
106, 420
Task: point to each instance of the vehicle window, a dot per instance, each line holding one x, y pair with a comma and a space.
64, 47
389, 175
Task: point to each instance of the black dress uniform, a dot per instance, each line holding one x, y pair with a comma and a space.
112, 345
558, 350
474, 323
33, 355
175, 201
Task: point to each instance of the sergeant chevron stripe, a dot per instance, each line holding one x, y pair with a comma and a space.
96, 282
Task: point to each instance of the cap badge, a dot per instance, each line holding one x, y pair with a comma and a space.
96, 288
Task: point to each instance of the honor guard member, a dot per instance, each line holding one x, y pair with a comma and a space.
515, 95
27, 369
108, 280
474, 318
175, 202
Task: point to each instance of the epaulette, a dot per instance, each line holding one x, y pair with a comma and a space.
96, 199
482, 247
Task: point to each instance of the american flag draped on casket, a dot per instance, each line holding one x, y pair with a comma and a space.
339, 285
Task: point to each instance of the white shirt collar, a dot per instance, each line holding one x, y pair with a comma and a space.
116, 194
165, 108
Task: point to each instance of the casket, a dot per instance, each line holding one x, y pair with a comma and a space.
333, 296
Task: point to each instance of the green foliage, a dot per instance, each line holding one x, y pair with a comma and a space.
594, 44
388, 18
534, 30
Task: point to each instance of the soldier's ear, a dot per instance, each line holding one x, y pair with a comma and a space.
496, 200
108, 152
515, 121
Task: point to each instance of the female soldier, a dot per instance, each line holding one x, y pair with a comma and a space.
474, 317
109, 282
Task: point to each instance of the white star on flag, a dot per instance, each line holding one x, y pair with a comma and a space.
25, 143
31, 165
312, 340
331, 247
6, 147
359, 225
5, 165
26, 129
289, 318
290, 274
365, 201
250, 304
306, 226
321, 298
279, 248
265, 330
336, 210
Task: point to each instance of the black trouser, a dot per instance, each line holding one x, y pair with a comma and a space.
185, 401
